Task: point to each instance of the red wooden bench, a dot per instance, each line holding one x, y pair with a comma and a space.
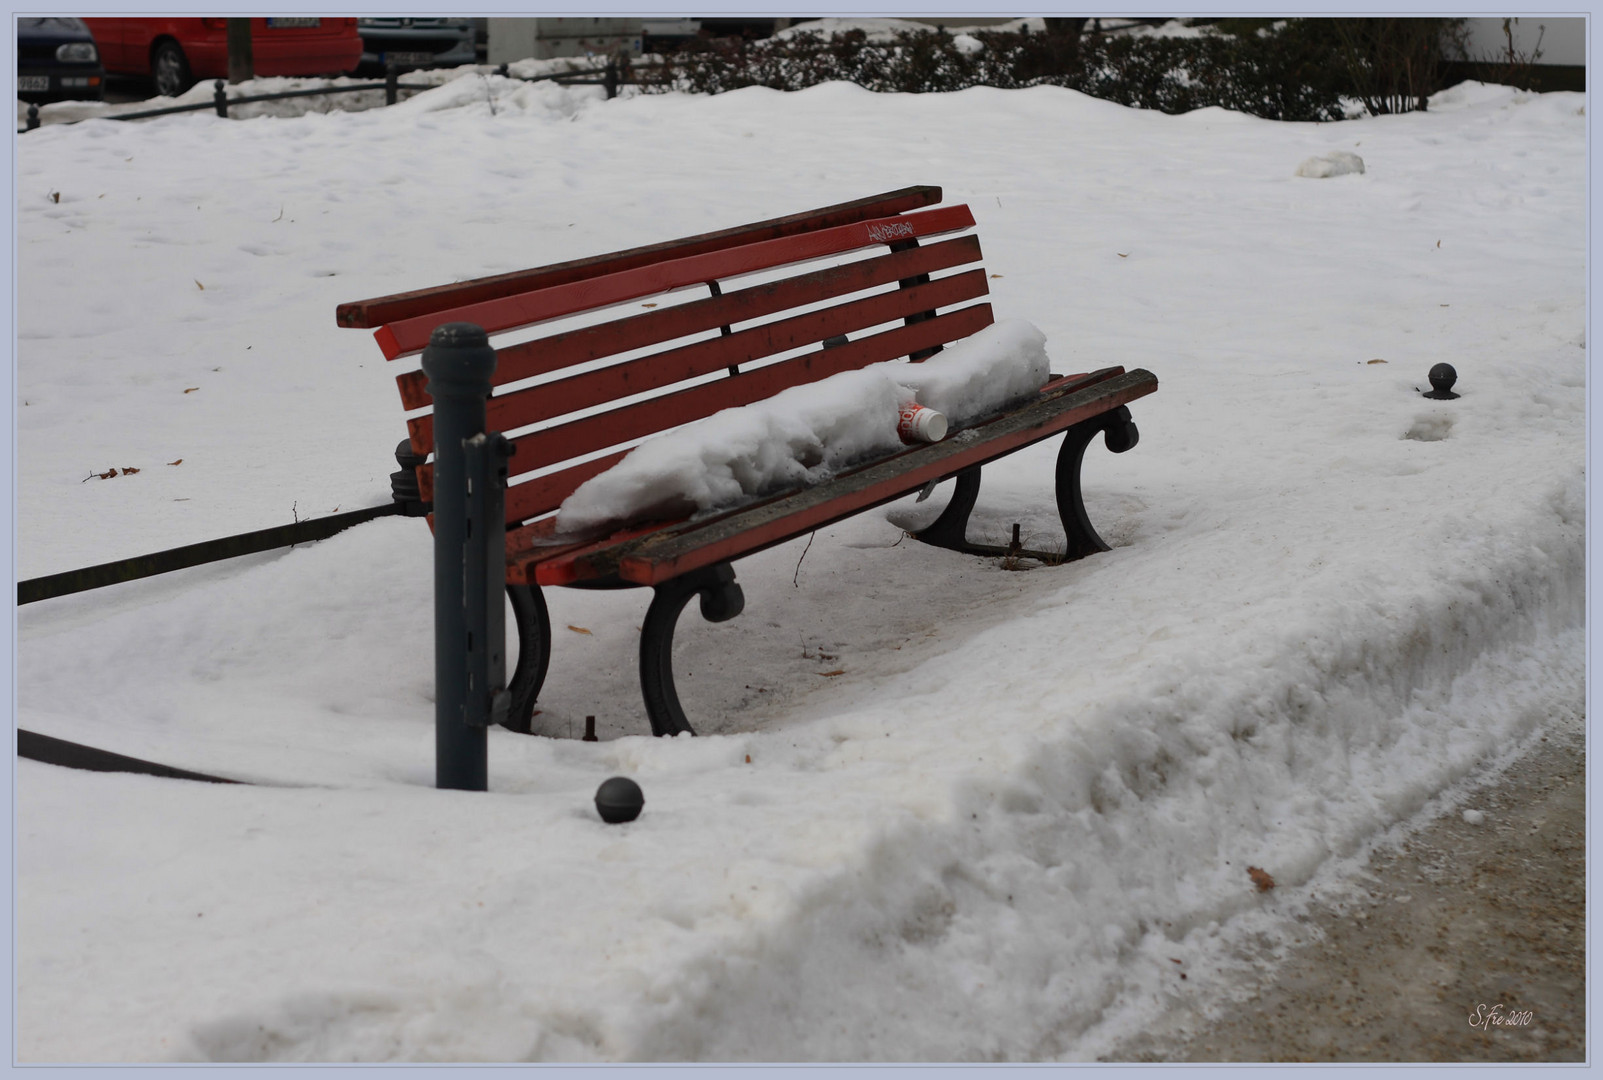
722, 354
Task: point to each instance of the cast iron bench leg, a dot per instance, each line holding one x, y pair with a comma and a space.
534, 653
1120, 435
721, 600
950, 529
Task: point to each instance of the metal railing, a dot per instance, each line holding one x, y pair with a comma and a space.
616, 72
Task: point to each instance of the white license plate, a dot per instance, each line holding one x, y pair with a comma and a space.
33, 82
409, 57
292, 21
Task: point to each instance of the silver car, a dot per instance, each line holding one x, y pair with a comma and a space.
416, 41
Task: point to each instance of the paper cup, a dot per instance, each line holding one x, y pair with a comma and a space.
920, 425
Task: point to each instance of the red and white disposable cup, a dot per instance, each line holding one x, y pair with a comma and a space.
917, 424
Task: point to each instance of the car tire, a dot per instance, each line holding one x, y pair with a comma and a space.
170, 69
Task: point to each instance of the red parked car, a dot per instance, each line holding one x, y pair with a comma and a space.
177, 52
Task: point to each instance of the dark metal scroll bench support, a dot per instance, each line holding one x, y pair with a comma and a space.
949, 530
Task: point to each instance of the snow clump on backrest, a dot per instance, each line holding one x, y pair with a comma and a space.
806, 434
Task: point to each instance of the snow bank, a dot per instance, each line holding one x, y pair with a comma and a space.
806, 434
1335, 163
938, 810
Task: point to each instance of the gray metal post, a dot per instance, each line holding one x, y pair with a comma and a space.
33, 117
220, 99
391, 83
484, 578
459, 363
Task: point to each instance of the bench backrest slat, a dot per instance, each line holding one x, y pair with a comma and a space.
623, 375
542, 494
682, 406
376, 312
507, 313
508, 412
545, 355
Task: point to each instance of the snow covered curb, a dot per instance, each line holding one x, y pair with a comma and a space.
1038, 914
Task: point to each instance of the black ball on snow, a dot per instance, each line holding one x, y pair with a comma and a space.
619, 800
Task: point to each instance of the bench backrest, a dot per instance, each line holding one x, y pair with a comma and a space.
648, 368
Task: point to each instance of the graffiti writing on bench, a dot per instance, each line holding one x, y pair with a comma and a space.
879, 233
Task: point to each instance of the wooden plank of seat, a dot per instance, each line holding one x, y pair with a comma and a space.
541, 356
671, 552
533, 544
509, 312
508, 412
405, 305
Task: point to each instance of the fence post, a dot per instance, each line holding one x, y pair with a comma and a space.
220, 99
459, 363
33, 117
609, 79
391, 81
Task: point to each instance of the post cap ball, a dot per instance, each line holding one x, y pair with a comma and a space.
619, 800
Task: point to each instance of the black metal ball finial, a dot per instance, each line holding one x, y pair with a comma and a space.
619, 800
1442, 378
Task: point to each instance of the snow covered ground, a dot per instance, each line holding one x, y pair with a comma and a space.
939, 810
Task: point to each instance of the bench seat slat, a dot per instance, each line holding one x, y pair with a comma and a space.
531, 544
593, 388
544, 355
410, 335
405, 305
670, 552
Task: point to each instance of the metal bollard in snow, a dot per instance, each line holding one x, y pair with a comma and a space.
1442, 378
392, 80
220, 99
33, 117
469, 556
619, 800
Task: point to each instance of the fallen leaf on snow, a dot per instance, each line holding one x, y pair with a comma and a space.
198, 285
191, 389
832, 674
125, 472
579, 630
1377, 360
1261, 878
180, 461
